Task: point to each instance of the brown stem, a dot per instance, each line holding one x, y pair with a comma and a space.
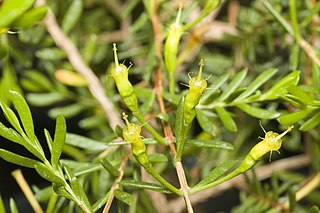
79, 65
18, 176
116, 182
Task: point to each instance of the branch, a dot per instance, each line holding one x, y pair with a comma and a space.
77, 62
262, 172
17, 174
116, 183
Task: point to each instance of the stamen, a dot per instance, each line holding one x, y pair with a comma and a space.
125, 118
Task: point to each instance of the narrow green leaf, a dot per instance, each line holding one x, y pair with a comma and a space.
51, 54
124, 196
11, 117
214, 86
60, 190
181, 130
48, 174
311, 123
172, 98
302, 95
206, 120
258, 112
72, 16
2, 209
44, 99
13, 206
24, 113
77, 188
43, 195
210, 144
13, 136
85, 143
233, 85
144, 185
226, 119
48, 139
59, 140
157, 158
67, 111
280, 88
294, 117
30, 17
11, 10
261, 79
278, 16
109, 167
216, 173
17, 159
39, 78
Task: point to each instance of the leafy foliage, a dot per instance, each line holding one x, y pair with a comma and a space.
262, 65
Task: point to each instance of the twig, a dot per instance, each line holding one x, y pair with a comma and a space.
77, 62
18, 176
263, 172
116, 183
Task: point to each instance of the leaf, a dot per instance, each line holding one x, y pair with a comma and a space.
24, 113
280, 88
181, 129
124, 196
210, 144
30, 17
51, 54
157, 158
302, 95
48, 139
214, 86
17, 159
44, 99
85, 143
311, 123
144, 185
13, 136
233, 85
2, 209
13, 206
258, 112
216, 173
294, 117
258, 81
67, 111
59, 140
11, 10
72, 15
48, 174
39, 78
60, 190
109, 167
206, 120
226, 119
12, 118
77, 188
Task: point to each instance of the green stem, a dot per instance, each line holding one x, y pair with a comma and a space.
294, 22
277, 15
150, 169
181, 141
52, 203
217, 182
171, 82
155, 134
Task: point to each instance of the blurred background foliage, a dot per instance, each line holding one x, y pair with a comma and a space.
258, 68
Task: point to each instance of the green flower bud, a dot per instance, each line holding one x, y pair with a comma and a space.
271, 142
120, 74
197, 85
131, 133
